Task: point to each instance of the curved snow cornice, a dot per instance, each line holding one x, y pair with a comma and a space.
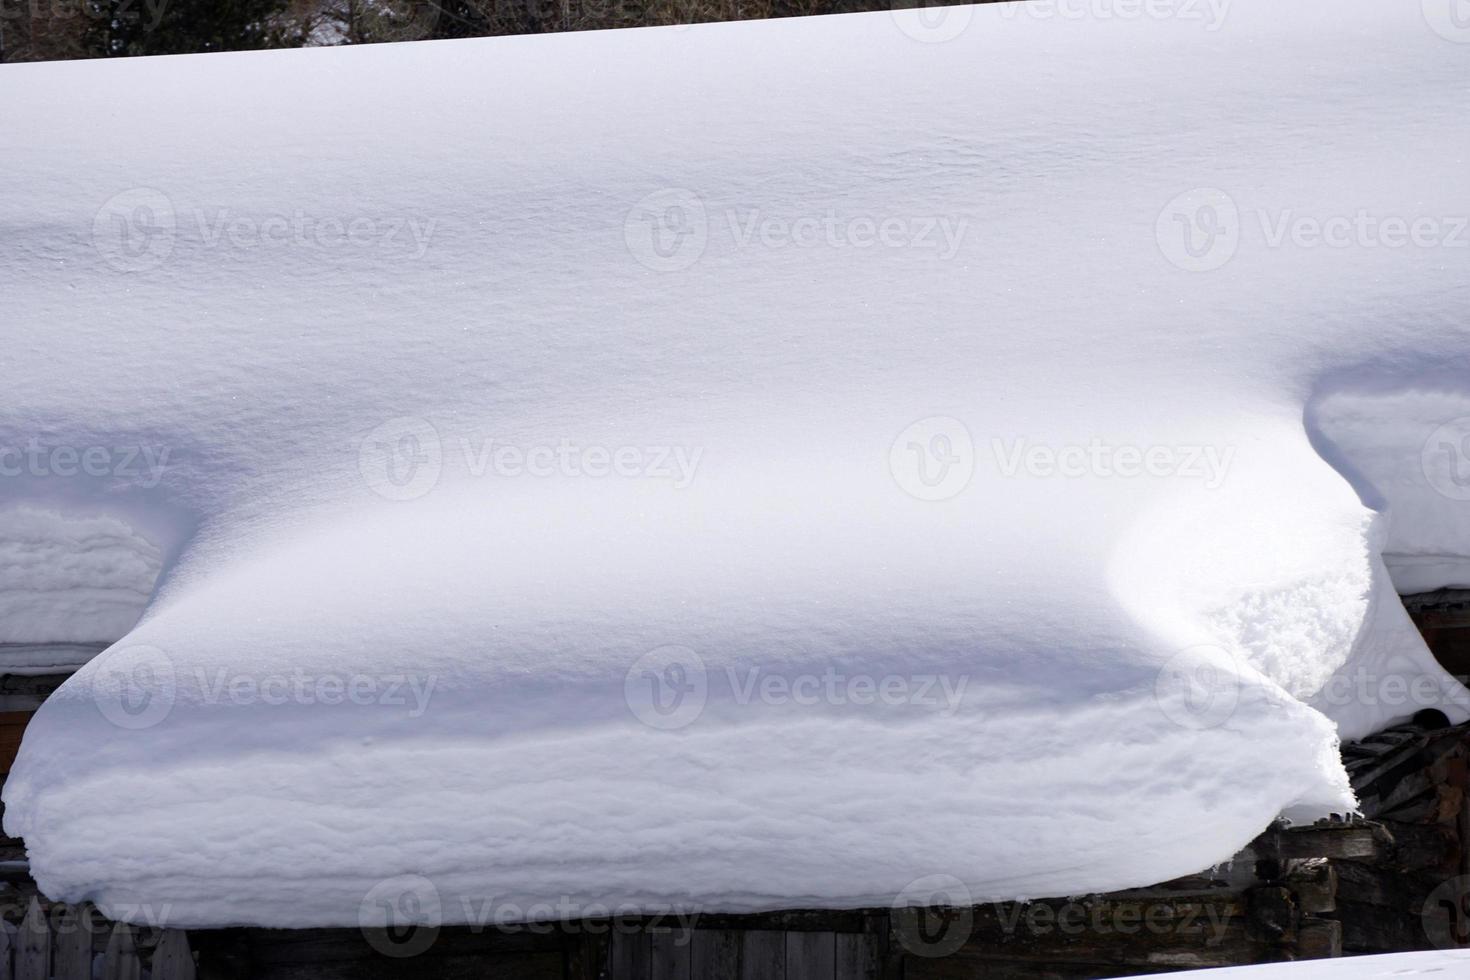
758, 465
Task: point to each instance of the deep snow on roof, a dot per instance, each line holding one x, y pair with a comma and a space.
758, 465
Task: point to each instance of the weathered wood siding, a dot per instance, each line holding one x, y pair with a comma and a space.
62, 942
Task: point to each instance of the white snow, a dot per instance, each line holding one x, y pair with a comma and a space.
1441, 964
757, 465
71, 579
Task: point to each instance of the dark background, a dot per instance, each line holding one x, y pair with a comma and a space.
45, 30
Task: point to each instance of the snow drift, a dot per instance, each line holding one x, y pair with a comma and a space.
768, 464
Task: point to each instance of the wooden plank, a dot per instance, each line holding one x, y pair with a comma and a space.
715, 954
856, 956
1319, 939
73, 960
1419, 847
12, 729
811, 956
26, 692
33, 945
629, 955
172, 959
1207, 941
1361, 841
1388, 888
762, 955
586, 956
514, 966
1374, 929
1314, 883
670, 955
120, 962
270, 946
788, 920
7, 950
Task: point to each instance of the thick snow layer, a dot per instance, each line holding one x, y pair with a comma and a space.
1411, 446
1441, 964
71, 579
756, 465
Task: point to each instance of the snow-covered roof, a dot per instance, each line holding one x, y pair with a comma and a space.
757, 465
1393, 966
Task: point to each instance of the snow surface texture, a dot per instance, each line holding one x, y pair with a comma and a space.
1442, 964
757, 465
65, 580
